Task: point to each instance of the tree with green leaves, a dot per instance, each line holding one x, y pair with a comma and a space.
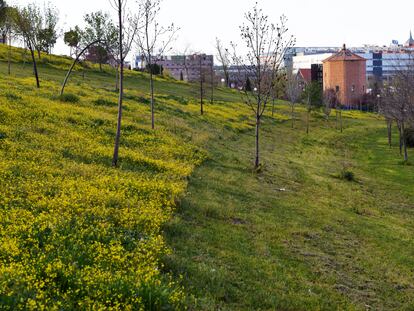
26, 21
7, 28
3, 18
72, 38
312, 96
100, 28
48, 32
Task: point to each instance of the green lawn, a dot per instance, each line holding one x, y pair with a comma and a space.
295, 236
185, 222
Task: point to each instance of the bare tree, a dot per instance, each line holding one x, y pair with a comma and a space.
7, 28
396, 101
78, 56
127, 30
224, 57
153, 40
201, 80
312, 95
330, 98
205, 78
26, 21
267, 44
293, 92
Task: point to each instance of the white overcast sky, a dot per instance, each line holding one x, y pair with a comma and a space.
312, 22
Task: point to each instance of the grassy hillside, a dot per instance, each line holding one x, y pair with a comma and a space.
184, 221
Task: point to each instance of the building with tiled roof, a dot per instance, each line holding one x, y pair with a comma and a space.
305, 74
345, 73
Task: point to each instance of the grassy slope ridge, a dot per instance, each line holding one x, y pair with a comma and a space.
76, 233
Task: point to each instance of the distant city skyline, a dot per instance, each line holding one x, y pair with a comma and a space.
313, 23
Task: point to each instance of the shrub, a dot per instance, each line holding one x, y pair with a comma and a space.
409, 137
12, 96
69, 98
347, 175
104, 102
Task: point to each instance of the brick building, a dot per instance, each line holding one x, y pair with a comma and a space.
345, 72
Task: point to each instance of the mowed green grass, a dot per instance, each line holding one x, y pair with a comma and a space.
293, 237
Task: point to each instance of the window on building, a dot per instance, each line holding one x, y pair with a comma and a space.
337, 88
363, 88
353, 88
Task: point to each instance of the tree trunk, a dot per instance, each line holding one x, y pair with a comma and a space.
337, 118
9, 57
340, 118
35, 68
73, 66
257, 136
152, 99
400, 136
389, 128
121, 88
404, 141
212, 86
201, 89
201, 97
117, 78
273, 107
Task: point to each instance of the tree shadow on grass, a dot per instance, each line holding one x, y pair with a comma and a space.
126, 163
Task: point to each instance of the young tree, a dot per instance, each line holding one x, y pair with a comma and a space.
201, 77
100, 29
330, 98
279, 87
7, 28
397, 103
127, 30
47, 33
26, 22
266, 44
3, 17
72, 38
224, 58
205, 79
248, 85
312, 95
153, 40
293, 92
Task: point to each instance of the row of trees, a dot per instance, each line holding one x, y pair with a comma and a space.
102, 39
35, 26
266, 45
396, 104
136, 26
